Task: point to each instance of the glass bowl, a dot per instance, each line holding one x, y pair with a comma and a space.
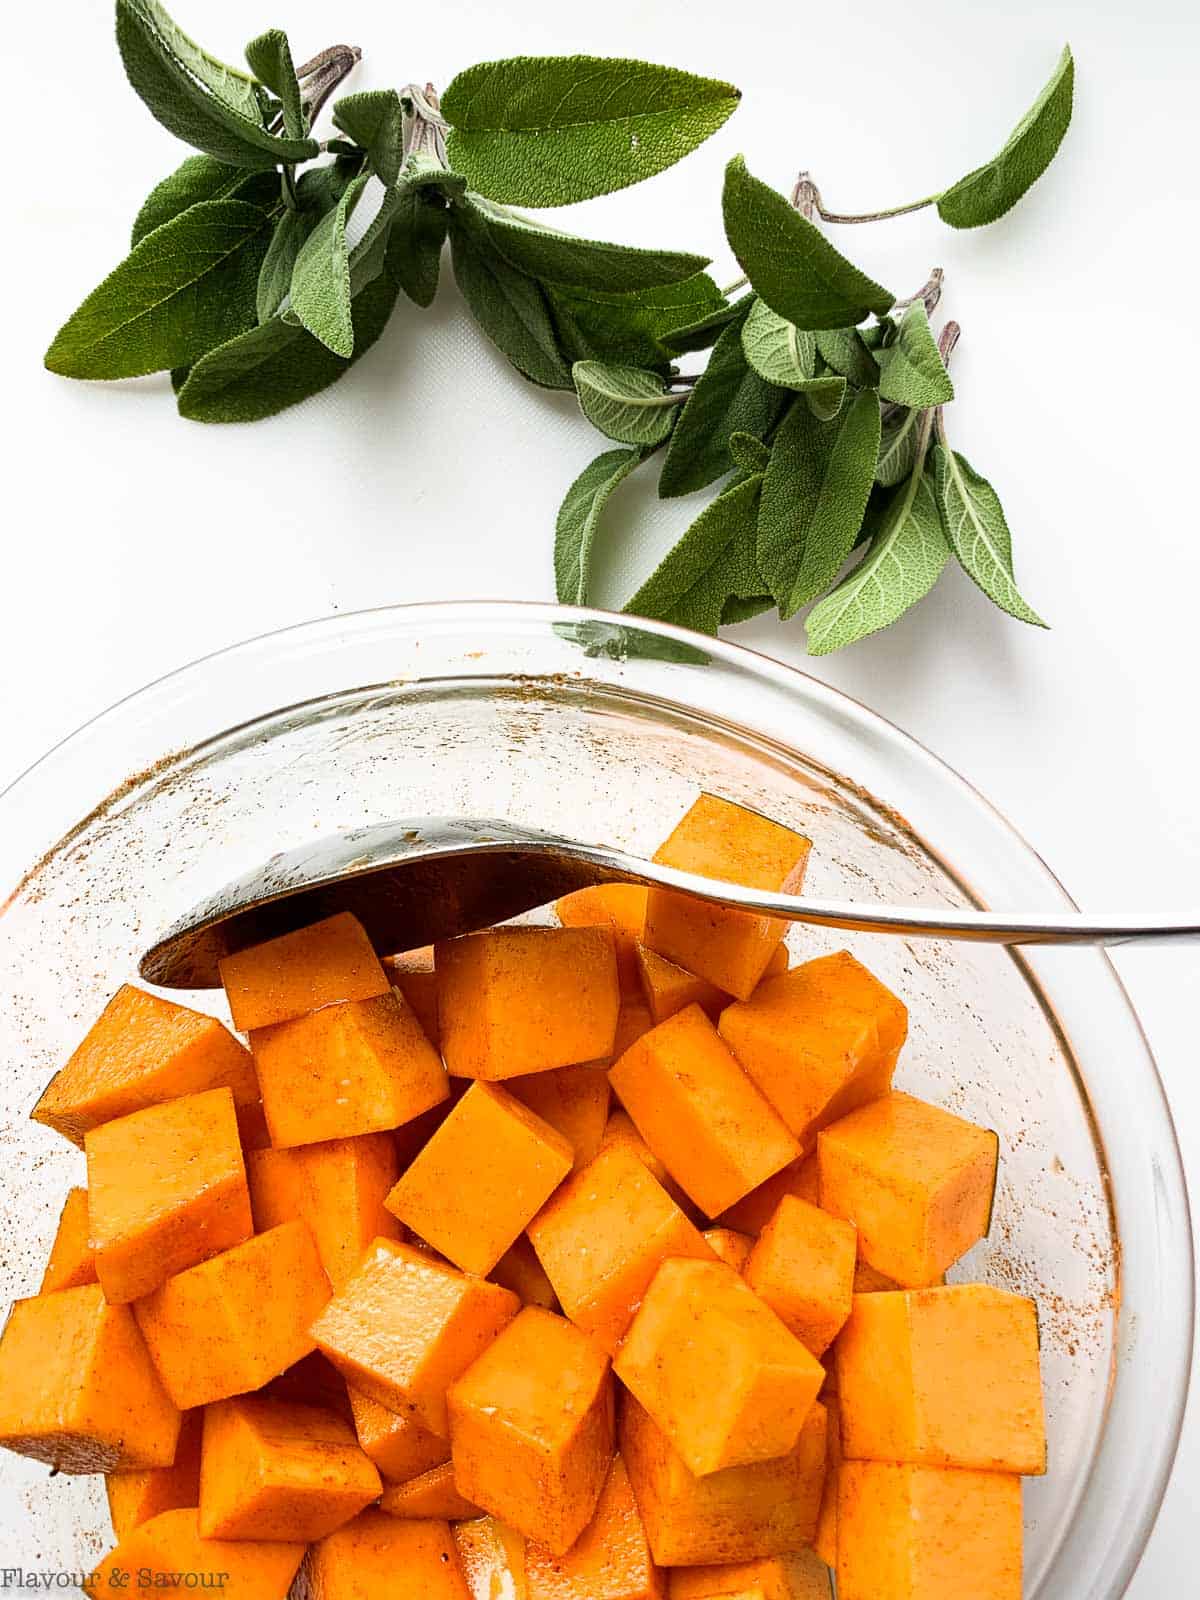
578, 722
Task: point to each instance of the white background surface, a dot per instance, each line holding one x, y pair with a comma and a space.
135, 541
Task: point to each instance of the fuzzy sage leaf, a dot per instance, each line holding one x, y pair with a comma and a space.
898, 447
270, 58
776, 349
978, 531
911, 369
321, 280
579, 518
509, 306
713, 562
375, 121
628, 404
201, 178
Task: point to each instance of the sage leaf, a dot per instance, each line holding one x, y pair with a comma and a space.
509, 307
824, 394
628, 404
844, 351
898, 447
789, 261
713, 563
189, 285
199, 99
321, 280
911, 369
593, 324
201, 178
729, 397
550, 130
414, 248
279, 263
749, 453
579, 518
905, 558
703, 332
987, 193
737, 609
978, 531
776, 349
270, 58
374, 119
814, 496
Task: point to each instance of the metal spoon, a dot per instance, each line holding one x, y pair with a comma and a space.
428, 878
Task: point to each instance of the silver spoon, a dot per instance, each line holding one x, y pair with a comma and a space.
428, 878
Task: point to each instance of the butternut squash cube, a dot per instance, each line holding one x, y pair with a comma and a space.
413, 974
492, 1558
404, 1326
78, 1389
352, 1068
482, 1177
166, 1190
135, 1497
398, 1445
633, 1020
698, 1319
520, 1270
274, 1470
819, 1041
825, 1540
917, 1182
432, 1494
802, 1576
520, 1000
669, 988
603, 1236
531, 1429
943, 1378
752, 1213
729, 1246
920, 1533
700, 1114
803, 1267
740, 1514
236, 1321
345, 1185
143, 1050
610, 1559
72, 1261
620, 1131
619, 906
381, 1555
329, 963
718, 839
572, 1099
152, 1557
278, 1189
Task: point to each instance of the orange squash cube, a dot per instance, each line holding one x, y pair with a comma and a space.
917, 1533
326, 964
404, 1326
346, 1184
492, 1558
802, 1576
610, 1559
700, 1114
729, 1246
482, 1177
413, 974
166, 1190
603, 1236
71, 1261
398, 1445
278, 1190
135, 1497
718, 839
143, 1050
943, 1378
741, 1514
669, 989
352, 1068
238, 1320
752, 1213
803, 1267
825, 1540
620, 1131
619, 906
572, 1099
917, 1182
152, 1558
531, 1429
381, 1555
77, 1387
520, 1270
520, 1000
432, 1494
633, 1020
699, 1318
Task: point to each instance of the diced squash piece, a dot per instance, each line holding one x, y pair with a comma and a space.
803, 1267
572, 1099
143, 1050
802, 1576
412, 973
825, 1540
432, 1494
274, 1470
398, 1445
166, 1190
135, 1497
520, 1000
780, 961
610, 1560
633, 1020
520, 1270
482, 1178
352, 1068
920, 1533
346, 1184
815, 1056
278, 1189
752, 1213
493, 1559
404, 1326
78, 1389
329, 963
943, 1377
718, 839
377, 1555
669, 988
729, 1246
531, 1428
620, 1131
236, 1321
72, 1261
698, 1319
603, 1236
741, 1514
917, 1182
619, 906
700, 1114
153, 1557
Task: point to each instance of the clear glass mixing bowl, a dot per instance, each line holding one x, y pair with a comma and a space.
576, 722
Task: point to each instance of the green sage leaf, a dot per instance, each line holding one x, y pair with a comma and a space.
375, 121
509, 307
748, 453
703, 332
825, 394
776, 349
739, 609
898, 447
628, 404
414, 249
579, 518
270, 58
713, 563
279, 263
201, 178
978, 531
844, 350
911, 369
594, 325
320, 290
991, 190
789, 261
550, 130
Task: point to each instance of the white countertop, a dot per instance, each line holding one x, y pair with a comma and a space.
135, 541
